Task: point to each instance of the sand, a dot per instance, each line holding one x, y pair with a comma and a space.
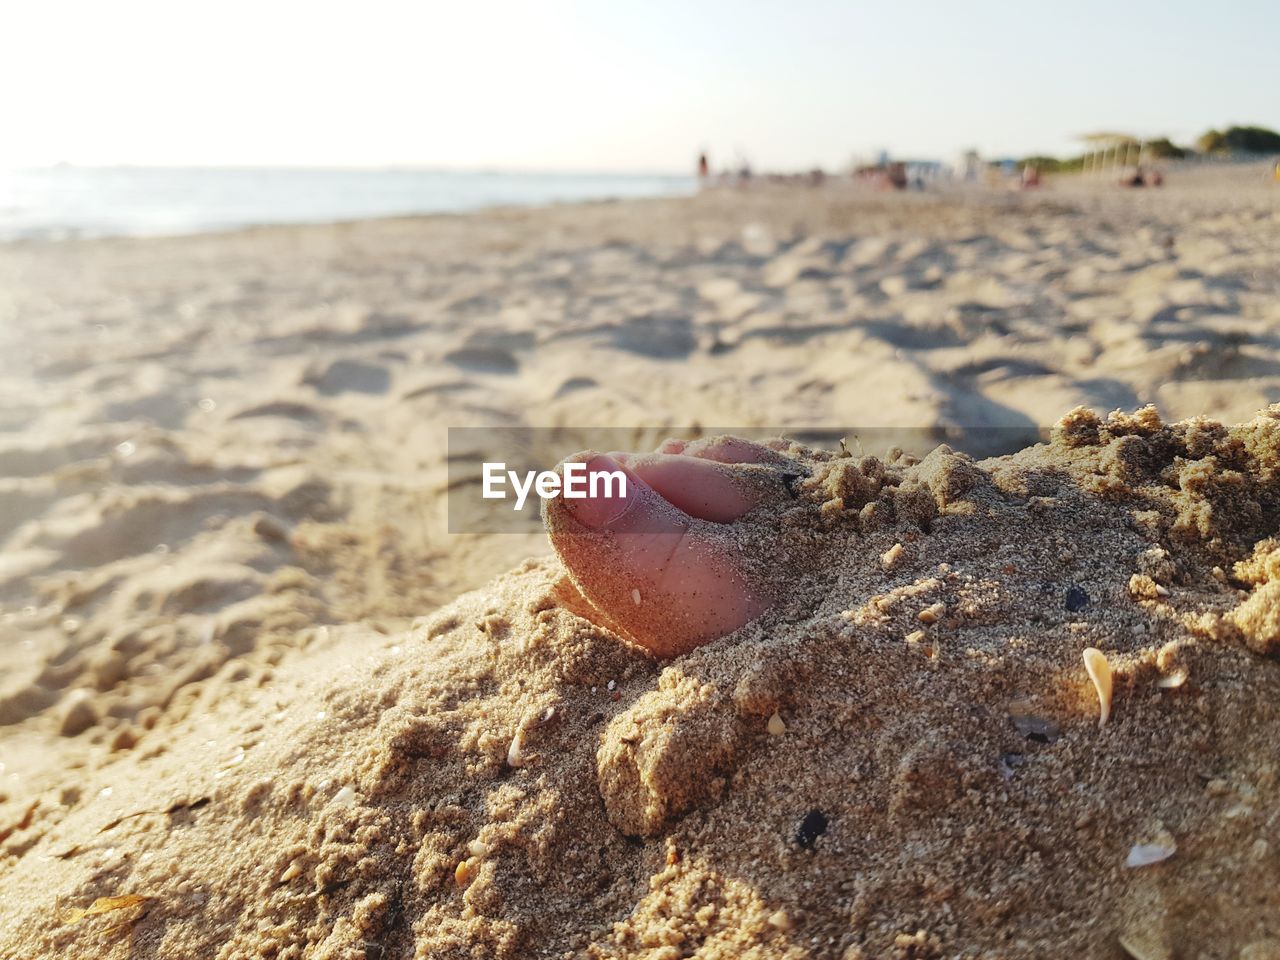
238, 684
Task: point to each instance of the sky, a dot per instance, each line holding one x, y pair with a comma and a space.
617, 85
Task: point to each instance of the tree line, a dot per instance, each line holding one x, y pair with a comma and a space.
1233, 141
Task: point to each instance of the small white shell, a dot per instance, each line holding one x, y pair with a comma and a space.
515, 752
1145, 854
293, 870
635, 596
776, 727
344, 796
1099, 670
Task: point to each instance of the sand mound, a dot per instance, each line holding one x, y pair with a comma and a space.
903, 760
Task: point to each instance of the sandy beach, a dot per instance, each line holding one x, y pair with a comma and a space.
254, 681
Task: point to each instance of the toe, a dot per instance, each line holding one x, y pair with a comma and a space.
607, 501
704, 489
656, 574
729, 449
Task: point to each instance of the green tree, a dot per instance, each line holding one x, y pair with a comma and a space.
1239, 140
1211, 141
1042, 163
1252, 140
1162, 148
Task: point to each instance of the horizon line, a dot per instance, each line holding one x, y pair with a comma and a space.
479, 169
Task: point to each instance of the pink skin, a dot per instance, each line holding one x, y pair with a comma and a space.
667, 543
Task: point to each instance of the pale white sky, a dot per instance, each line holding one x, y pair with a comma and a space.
616, 84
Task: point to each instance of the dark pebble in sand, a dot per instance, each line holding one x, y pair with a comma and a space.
1009, 763
1037, 729
789, 480
812, 827
1076, 598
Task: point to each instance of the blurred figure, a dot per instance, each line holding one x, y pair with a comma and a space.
704, 167
1030, 176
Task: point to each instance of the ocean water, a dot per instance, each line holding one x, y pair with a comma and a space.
60, 202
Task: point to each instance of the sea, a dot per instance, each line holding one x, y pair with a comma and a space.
61, 202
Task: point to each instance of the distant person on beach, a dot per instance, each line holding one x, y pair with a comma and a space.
1030, 176
704, 167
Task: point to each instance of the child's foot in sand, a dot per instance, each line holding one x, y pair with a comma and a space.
661, 565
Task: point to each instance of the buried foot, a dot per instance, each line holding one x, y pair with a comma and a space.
662, 563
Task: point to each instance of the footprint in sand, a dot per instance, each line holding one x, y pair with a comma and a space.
662, 337
349, 376
491, 351
907, 337
483, 359
574, 384
165, 409
286, 409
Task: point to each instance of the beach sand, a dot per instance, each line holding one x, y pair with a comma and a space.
238, 683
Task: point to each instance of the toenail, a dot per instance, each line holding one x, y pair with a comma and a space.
610, 491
